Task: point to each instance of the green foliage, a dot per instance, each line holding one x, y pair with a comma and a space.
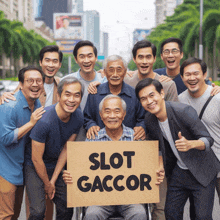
132, 66
184, 24
64, 67
217, 83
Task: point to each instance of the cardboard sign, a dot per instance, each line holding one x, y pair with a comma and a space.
112, 173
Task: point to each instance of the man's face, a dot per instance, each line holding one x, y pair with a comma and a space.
144, 60
112, 113
65, 23
33, 84
50, 64
151, 100
86, 59
70, 97
193, 78
115, 72
171, 55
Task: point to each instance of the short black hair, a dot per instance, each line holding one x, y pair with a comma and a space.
23, 70
170, 40
143, 44
51, 48
69, 80
145, 83
84, 43
192, 60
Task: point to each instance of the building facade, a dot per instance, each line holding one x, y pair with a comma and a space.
92, 27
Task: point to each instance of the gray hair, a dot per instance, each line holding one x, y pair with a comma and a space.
69, 80
114, 58
111, 96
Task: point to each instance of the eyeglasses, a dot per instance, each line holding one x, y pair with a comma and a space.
173, 51
31, 81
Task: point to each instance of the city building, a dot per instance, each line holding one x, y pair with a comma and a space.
165, 8
21, 10
92, 27
45, 10
77, 6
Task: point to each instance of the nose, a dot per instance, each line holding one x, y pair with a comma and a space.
50, 63
192, 77
145, 60
86, 59
35, 83
112, 115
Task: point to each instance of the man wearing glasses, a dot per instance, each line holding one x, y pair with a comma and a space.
17, 118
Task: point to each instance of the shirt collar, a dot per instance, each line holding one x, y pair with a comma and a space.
80, 77
126, 133
125, 89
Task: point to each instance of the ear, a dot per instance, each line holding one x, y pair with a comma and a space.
40, 63
75, 60
205, 75
100, 113
155, 59
134, 59
96, 59
124, 115
20, 86
181, 55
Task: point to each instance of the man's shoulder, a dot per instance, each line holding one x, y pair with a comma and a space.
75, 74
49, 115
183, 95
161, 71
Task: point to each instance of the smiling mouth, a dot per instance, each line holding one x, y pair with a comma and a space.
170, 61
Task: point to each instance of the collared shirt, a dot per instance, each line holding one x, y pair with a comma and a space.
14, 115
134, 112
127, 135
86, 83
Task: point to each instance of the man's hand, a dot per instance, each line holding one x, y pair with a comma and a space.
182, 144
139, 133
50, 190
92, 88
215, 89
92, 132
67, 178
7, 95
160, 176
164, 78
36, 115
130, 73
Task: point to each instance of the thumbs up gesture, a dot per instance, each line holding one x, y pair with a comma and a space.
182, 144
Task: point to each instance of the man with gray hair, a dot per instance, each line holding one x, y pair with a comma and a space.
47, 157
112, 110
115, 69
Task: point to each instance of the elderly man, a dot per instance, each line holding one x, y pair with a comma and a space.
115, 69
112, 110
17, 118
61, 123
190, 164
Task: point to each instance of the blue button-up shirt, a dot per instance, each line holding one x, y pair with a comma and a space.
14, 115
134, 111
127, 135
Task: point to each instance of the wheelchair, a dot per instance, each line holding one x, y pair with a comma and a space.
80, 213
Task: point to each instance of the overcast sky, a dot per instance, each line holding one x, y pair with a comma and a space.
119, 18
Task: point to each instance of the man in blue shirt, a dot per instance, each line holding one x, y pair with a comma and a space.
112, 110
115, 69
17, 118
60, 123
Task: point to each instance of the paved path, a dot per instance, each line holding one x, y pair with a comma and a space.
216, 211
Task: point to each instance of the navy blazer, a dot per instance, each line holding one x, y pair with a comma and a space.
204, 165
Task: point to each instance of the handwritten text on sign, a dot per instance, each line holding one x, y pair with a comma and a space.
112, 173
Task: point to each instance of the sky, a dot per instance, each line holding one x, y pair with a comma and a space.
119, 18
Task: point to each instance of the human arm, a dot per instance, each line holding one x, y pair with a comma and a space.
92, 88
90, 116
185, 145
67, 178
9, 95
164, 78
37, 158
160, 171
139, 133
12, 128
215, 89
61, 161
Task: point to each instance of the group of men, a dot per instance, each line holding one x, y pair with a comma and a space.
119, 108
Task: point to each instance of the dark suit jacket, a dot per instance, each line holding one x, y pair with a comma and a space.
204, 165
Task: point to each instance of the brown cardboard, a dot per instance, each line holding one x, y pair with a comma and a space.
145, 161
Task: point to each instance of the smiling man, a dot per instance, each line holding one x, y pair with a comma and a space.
115, 69
46, 159
185, 144
112, 110
144, 56
193, 72
17, 118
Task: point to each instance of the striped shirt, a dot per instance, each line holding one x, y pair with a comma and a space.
127, 135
